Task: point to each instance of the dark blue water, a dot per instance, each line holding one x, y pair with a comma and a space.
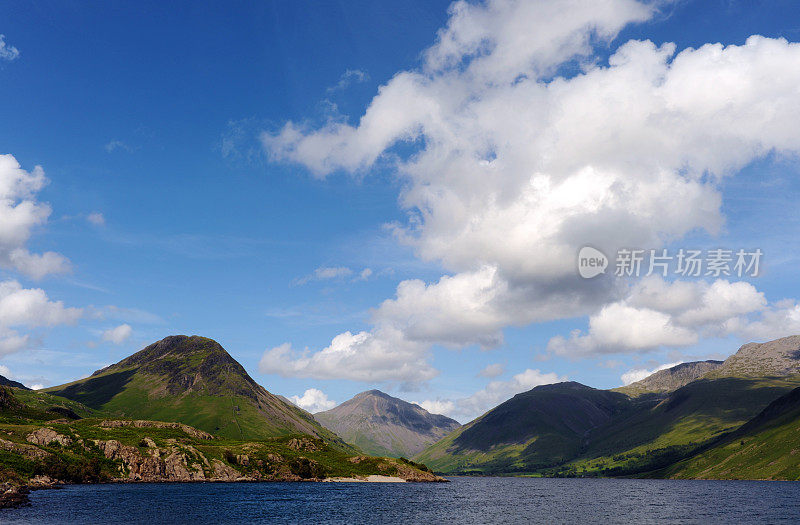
464, 500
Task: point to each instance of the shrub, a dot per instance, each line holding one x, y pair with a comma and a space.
230, 457
306, 469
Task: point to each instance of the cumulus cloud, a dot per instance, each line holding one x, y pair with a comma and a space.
28, 307
468, 408
515, 167
313, 400
31, 307
438, 406
493, 370
7, 51
382, 355
20, 213
118, 334
637, 374
658, 313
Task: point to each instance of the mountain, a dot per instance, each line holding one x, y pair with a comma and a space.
191, 380
778, 358
4, 381
766, 447
382, 425
571, 429
670, 379
536, 429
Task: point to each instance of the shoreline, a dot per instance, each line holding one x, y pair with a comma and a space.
17, 495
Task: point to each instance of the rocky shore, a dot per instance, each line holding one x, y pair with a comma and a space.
160, 459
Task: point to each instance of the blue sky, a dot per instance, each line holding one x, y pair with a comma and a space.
209, 173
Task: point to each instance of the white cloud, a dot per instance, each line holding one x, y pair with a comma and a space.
96, 218
351, 76
324, 273
11, 341
365, 274
514, 169
6, 372
384, 355
313, 400
468, 408
28, 307
774, 321
493, 370
118, 334
31, 307
637, 374
657, 313
37, 386
437, 406
7, 52
20, 213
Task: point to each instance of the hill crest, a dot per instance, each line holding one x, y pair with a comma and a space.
191, 380
385, 425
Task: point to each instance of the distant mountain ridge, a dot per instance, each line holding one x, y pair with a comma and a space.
671, 379
191, 380
778, 358
380, 424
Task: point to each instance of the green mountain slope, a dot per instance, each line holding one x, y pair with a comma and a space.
534, 430
570, 429
191, 380
382, 425
689, 418
4, 381
766, 447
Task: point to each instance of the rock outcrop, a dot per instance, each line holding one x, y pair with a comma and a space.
780, 358
671, 379
139, 423
46, 436
29, 451
174, 462
13, 496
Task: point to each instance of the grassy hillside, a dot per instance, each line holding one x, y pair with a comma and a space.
37, 447
550, 431
767, 447
192, 380
689, 418
538, 429
573, 430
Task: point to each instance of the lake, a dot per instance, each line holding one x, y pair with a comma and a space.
464, 500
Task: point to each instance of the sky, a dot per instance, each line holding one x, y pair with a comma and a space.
394, 195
